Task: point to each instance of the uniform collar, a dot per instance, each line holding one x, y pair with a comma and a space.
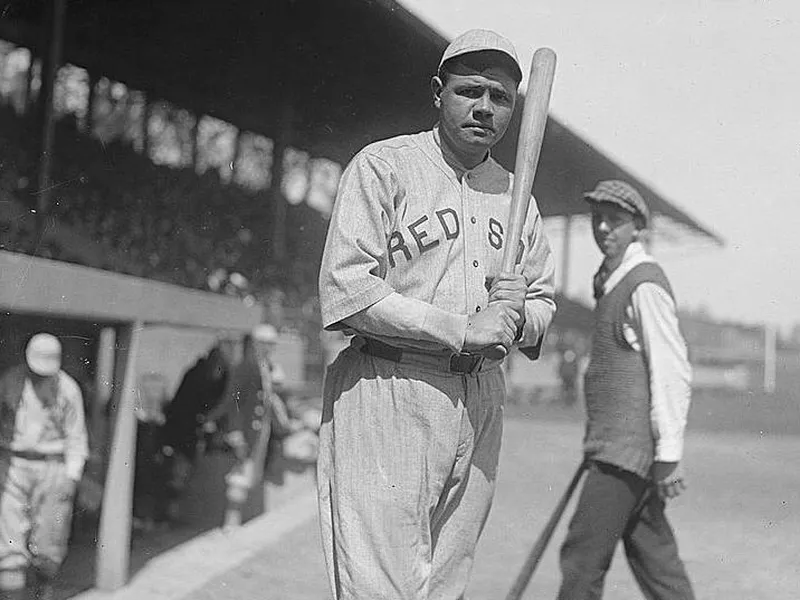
451, 161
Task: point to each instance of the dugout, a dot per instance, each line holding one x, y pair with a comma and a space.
82, 306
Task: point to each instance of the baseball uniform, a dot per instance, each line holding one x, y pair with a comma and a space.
411, 428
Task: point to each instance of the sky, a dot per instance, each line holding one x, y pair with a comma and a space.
700, 99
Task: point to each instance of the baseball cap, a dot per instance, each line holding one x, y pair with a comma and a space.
622, 194
43, 354
479, 40
265, 333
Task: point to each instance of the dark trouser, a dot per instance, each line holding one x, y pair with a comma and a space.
603, 516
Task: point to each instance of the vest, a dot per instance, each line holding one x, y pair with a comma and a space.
617, 385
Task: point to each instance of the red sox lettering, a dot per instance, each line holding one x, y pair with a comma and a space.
419, 235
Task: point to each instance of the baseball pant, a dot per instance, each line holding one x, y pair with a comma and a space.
603, 516
35, 516
406, 475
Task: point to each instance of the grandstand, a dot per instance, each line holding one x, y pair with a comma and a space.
203, 152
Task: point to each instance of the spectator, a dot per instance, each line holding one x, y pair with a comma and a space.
253, 411
43, 449
637, 396
199, 392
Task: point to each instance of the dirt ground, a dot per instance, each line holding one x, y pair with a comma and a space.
738, 525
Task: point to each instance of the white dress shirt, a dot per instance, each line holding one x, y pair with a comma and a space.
652, 328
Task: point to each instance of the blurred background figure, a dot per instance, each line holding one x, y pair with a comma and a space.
149, 506
568, 372
43, 449
201, 391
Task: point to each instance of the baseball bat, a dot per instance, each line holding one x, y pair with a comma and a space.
538, 549
529, 146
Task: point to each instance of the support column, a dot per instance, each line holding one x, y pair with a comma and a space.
566, 244
89, 124
50, 65
114, 539
282, 142
770, 357
103, 379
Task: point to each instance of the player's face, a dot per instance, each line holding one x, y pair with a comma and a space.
475, 109
614, 229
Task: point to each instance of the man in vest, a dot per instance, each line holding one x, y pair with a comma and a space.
637, 391
43, 448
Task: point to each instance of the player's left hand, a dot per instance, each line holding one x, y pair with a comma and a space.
668, 478
511, 288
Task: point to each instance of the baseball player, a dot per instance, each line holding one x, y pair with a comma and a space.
412, 416
43, 450
637, 391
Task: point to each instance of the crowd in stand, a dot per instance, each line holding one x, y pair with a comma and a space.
151, 221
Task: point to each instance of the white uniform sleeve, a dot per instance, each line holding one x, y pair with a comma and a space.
76, 447
669, 368
355, 261
538, 267
396, 316
352, 289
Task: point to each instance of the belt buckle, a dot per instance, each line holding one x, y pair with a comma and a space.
465, 363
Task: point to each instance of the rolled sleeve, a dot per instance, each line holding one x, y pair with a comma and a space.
397, 319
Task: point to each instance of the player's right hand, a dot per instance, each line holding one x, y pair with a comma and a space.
493, 326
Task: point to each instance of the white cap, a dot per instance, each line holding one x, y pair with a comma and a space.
43, 354
480, 40
265, 333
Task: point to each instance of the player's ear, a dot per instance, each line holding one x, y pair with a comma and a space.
437, 85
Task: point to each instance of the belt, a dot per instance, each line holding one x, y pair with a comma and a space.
464, 362
33, 455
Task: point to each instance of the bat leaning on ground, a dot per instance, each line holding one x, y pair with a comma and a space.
529, 146
538, 549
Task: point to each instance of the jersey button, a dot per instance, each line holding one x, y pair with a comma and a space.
473, 220
474, 263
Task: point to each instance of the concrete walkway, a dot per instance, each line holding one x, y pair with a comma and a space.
191, 569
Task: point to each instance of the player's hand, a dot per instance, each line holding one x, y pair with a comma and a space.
493, 326
512, 289
668, 478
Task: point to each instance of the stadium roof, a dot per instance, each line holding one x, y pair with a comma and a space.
341, 72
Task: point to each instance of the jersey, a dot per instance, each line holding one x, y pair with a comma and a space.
407, 220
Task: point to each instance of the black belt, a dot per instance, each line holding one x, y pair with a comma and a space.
33, 455
464, 362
